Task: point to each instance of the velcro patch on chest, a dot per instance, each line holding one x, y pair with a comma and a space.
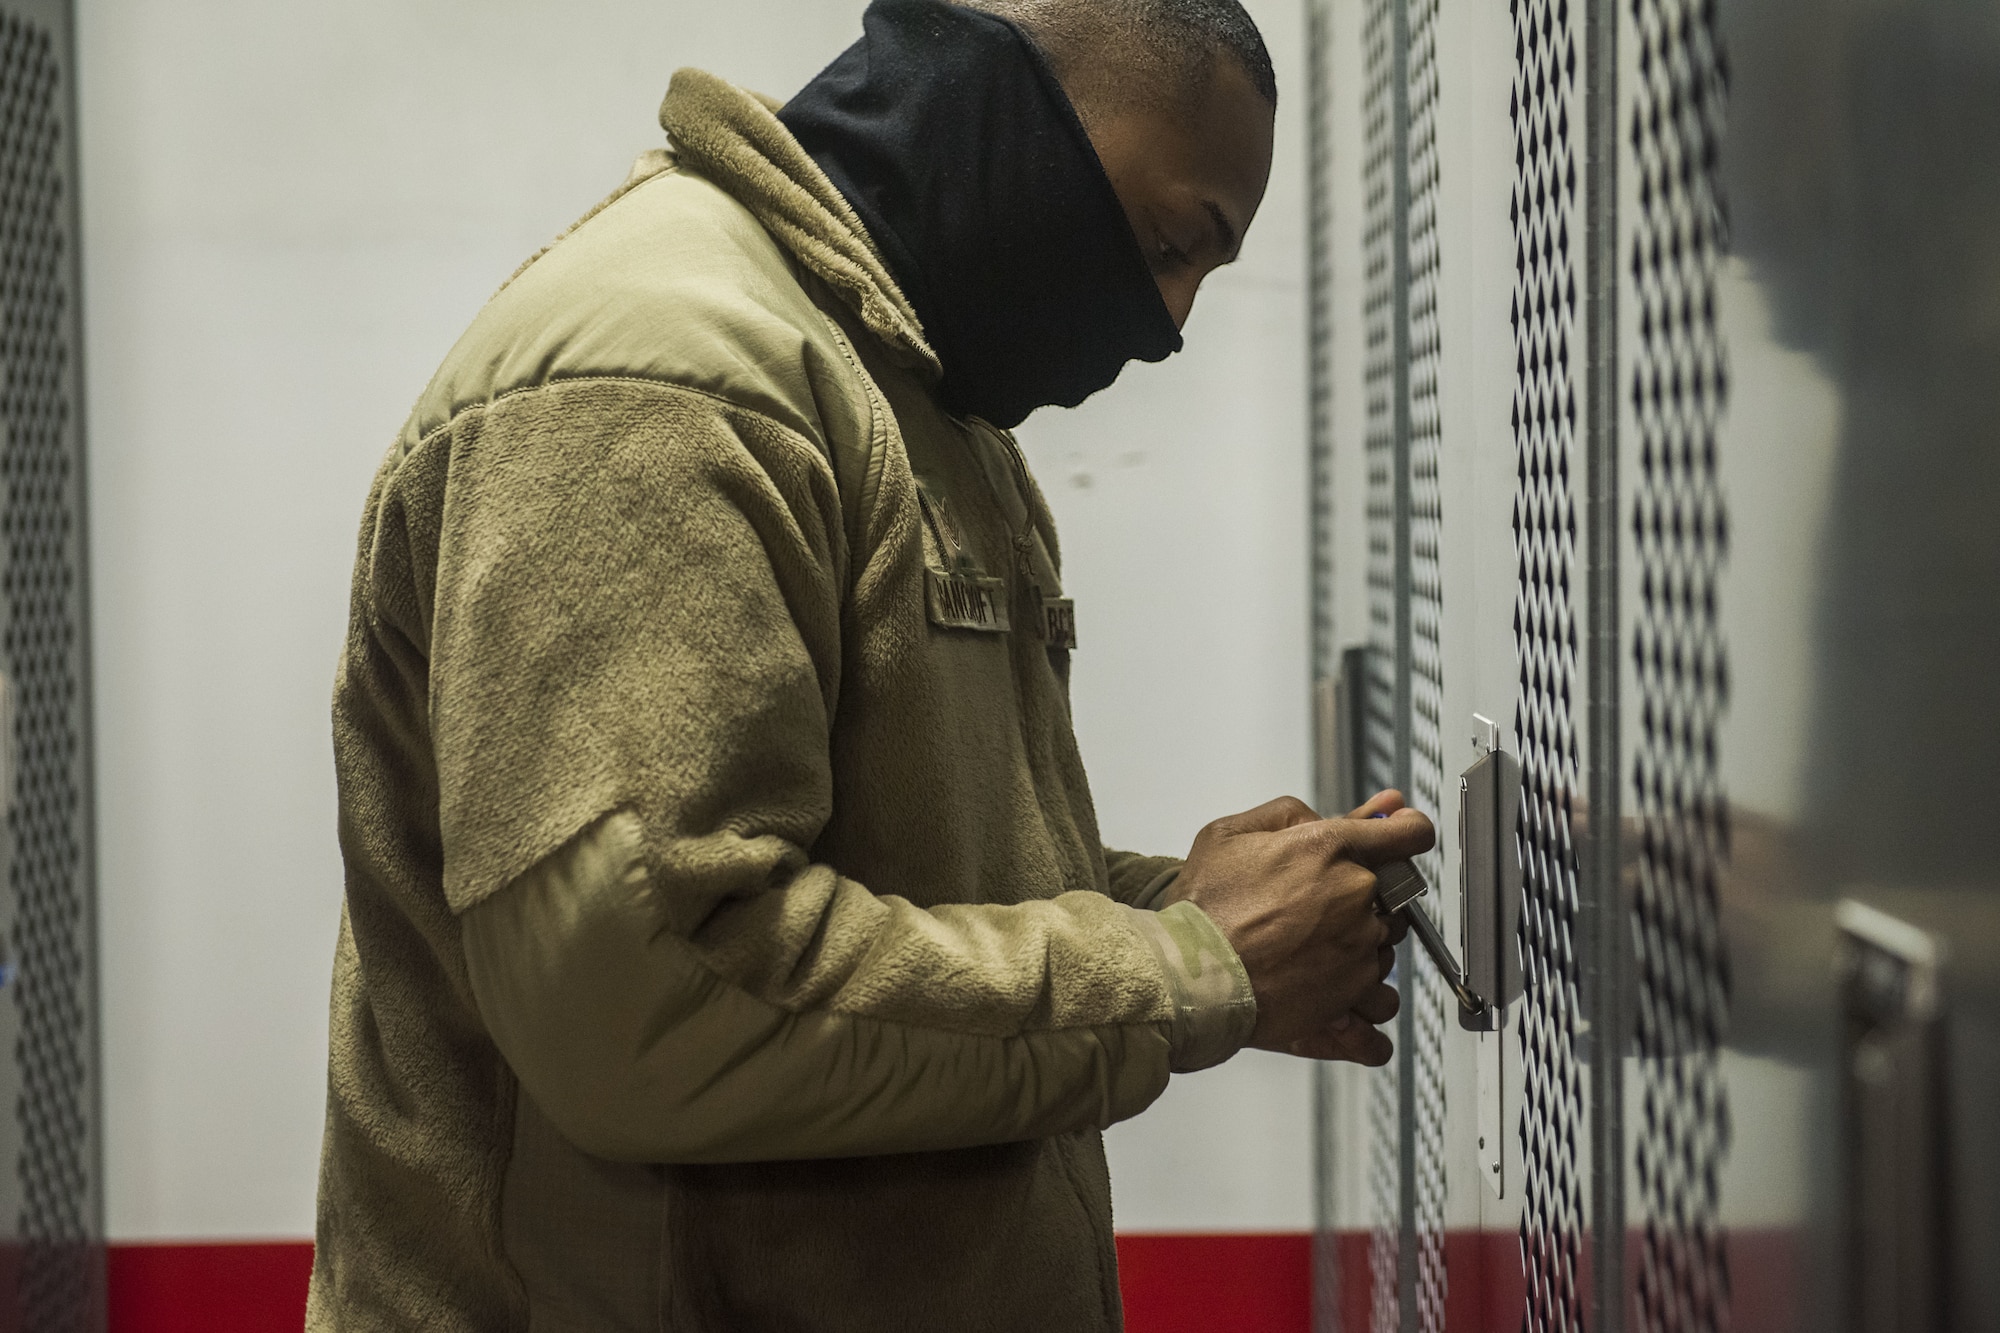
1059, 623
966, 601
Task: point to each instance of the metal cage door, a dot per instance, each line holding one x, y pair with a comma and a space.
51, 1228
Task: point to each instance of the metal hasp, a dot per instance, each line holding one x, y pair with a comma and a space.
1489, 880
1489, 887
1489, 801
1896, 1124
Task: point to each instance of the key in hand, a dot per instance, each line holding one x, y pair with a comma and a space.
1398, 886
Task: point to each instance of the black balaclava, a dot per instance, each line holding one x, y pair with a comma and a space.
946, 130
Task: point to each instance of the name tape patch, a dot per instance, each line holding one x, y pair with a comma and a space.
967, 601
1059, 622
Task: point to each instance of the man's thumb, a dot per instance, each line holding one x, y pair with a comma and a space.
1398, 837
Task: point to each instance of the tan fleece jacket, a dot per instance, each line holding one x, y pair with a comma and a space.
728, 943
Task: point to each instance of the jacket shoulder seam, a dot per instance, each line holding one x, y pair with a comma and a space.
599, 377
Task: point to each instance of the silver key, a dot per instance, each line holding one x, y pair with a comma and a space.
1398, 886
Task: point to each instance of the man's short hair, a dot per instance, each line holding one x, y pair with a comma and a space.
1111, 54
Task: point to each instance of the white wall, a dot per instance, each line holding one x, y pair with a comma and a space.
1182, 498
290, 212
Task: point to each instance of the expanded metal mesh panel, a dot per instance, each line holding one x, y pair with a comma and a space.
1385, 1174
1679, 387
1379, 381
1430, 1000
1380, 386
1426, 529
1319, 223
1328, 1144
44, 654
1321, 331
1545, 316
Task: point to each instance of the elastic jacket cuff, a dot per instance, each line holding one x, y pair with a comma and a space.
1148, 898
1214, 1007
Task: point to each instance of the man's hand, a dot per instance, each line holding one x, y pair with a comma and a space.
1294, 895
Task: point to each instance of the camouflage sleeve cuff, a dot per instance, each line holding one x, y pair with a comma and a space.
1214, 1007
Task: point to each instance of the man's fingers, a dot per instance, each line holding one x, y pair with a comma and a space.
1297, 811
1378, 1006
1398, 925
1381, 803
1376, 842
1357, 1043
1386, 957
1370, 1048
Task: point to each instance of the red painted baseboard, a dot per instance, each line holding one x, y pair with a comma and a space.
240, 1288
1171, 1283
1216, 1284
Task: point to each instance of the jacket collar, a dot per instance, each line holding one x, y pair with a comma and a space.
733, 137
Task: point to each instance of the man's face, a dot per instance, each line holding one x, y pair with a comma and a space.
1190, 178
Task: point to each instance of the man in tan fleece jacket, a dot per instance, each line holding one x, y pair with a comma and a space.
728, 943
